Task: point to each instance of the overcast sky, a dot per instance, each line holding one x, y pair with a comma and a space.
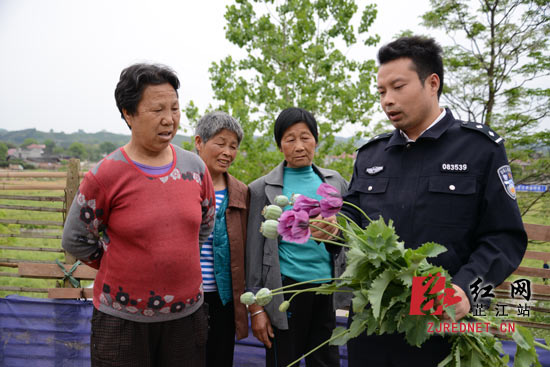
61, 59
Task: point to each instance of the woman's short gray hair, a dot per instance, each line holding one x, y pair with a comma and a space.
214, 122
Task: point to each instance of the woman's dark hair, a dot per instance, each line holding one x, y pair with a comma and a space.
133, 81
424, 52
291, 116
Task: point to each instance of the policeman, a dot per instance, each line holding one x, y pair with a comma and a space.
439, 179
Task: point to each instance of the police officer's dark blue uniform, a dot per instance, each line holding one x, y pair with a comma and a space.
452, 186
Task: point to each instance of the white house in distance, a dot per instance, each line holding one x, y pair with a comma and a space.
32, 151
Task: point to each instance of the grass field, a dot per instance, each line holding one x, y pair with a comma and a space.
29, 229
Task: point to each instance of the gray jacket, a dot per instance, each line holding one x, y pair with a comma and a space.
262, 254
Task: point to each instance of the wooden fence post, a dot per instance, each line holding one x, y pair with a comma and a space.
73, 181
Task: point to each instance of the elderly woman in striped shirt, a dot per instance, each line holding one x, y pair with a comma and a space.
217, 139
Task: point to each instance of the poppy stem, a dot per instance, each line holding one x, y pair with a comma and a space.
358, 209
329, 241
315, 289
323, 230
305, 282
350, 233
319, 346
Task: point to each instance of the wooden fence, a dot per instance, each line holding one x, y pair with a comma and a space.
31, 235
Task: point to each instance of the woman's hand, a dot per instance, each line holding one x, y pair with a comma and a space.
261, 326
316, 233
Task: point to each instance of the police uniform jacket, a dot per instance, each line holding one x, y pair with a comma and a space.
452, 186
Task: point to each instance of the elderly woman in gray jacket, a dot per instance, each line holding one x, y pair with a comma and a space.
273, 263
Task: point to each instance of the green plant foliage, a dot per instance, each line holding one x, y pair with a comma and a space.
28, 141
296, 56
78, 150
3, 151
379, 273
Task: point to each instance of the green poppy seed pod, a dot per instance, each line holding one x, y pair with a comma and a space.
248, 298
281, 201
263, 297
293, 198
272, 212
269, 229
284, 306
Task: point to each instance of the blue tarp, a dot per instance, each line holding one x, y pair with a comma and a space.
41, 332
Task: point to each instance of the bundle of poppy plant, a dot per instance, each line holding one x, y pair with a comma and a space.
379, 273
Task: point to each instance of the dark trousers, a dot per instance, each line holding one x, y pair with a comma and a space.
311, 319
392, 350
221, 331
116, 342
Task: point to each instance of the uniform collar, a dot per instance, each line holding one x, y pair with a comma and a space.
439, 118
433, 132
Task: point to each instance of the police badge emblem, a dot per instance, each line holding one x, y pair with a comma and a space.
374, 170
505, 175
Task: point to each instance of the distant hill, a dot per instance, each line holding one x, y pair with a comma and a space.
65, 140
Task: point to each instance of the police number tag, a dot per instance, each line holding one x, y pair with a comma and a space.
454, 167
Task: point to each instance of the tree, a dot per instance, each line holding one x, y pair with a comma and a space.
58, 150
93, 152
77, 150
50, 145
296, 57
28, 141
106, 147
497, 72
3, 151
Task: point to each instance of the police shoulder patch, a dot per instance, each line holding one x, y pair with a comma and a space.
376, 138
482, 128
505, 175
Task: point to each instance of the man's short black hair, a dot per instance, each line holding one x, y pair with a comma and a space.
291, 116
424, 52
133, 81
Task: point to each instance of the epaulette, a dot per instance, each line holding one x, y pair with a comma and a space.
376, 138
484, 129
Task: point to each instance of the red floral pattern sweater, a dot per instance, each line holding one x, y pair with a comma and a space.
143, 233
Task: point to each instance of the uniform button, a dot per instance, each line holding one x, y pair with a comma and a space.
369, 188
452, 187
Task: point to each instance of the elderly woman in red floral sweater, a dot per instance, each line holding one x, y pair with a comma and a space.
140, 217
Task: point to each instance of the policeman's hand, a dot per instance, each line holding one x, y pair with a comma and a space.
461, 308
318, 234
261, 326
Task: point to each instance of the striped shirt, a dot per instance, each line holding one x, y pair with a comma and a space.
207, 253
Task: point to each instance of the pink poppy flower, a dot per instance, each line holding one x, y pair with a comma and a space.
294, 226
309, 205
326, 190
332, 200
